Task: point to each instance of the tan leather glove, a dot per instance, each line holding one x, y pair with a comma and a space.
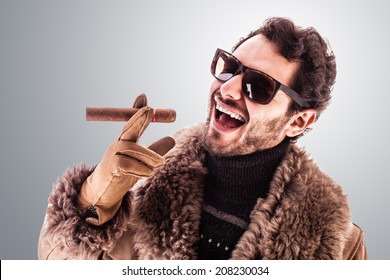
122, 165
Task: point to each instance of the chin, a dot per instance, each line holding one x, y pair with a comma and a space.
224, 142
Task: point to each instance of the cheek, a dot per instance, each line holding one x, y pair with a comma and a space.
263, 113
256, 111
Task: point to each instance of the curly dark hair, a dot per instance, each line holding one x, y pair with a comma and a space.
317, 72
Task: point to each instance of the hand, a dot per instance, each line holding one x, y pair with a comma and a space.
122, 165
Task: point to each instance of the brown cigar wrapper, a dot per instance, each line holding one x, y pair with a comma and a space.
124, 114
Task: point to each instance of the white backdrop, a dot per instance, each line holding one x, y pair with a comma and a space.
58, 57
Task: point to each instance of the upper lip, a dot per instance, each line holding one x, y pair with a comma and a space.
228, 110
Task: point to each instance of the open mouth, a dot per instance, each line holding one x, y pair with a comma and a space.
227, 118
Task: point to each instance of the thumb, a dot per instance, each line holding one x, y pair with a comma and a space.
163, 145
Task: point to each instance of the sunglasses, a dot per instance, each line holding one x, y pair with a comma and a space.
258, 86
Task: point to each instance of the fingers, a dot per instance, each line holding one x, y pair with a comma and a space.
138, 160
136, 125
140, 101
130, 166
163, 145
143, 155
133, 159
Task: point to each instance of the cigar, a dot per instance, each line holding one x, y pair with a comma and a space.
124, 114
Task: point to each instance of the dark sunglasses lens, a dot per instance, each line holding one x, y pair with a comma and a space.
225, 67
258, 87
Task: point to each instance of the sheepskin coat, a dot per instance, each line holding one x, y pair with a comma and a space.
304, 216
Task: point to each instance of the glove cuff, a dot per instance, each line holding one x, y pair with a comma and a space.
94, 214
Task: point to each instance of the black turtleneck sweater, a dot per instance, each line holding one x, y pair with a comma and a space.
232, 188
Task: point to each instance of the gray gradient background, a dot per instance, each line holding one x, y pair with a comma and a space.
58, 57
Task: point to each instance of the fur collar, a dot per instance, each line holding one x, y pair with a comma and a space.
305, 215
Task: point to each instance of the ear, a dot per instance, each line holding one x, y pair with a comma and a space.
300, 121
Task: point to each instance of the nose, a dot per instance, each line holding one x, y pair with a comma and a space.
231, 89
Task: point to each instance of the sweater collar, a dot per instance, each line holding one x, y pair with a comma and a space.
244, 177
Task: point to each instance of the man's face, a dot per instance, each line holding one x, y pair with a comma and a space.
236, 125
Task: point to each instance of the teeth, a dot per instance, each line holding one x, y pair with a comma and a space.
231, 114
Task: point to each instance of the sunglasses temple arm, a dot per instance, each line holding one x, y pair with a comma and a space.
295, 96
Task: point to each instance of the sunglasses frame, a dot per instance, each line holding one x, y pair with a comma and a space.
296, 97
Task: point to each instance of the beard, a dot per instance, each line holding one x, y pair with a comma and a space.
259, 135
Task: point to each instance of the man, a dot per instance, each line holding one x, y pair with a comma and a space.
236, 187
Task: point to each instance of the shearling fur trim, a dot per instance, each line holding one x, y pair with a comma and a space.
64, 225
172, 200
305, 215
